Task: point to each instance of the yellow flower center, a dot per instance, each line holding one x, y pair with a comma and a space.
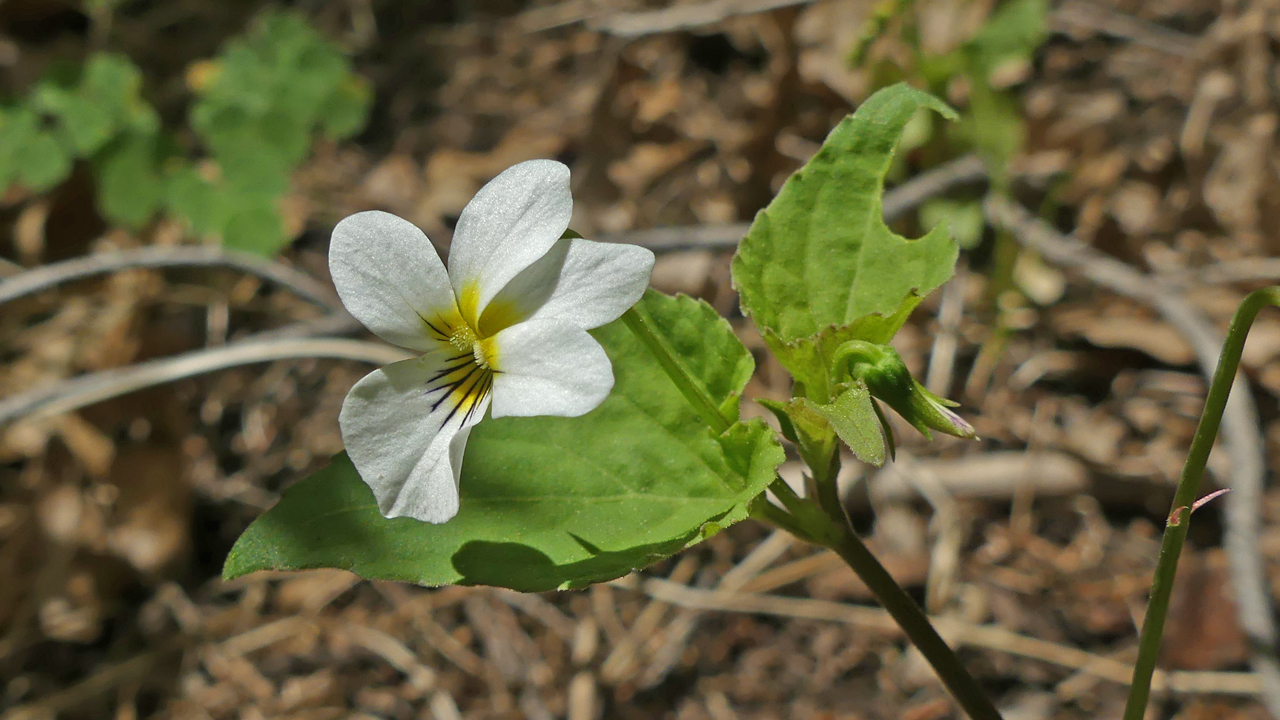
465, 340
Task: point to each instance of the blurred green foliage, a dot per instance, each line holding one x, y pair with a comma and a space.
995, 58
258, 109
978, 76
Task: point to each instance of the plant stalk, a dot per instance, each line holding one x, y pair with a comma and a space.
690, 388
1179, 521
904, 610
913, 621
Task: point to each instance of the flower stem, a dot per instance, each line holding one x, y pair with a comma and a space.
690, 388
964, 688
1175, 532
904, 610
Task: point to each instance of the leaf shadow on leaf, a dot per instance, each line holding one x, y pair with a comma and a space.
527, 569
641, 476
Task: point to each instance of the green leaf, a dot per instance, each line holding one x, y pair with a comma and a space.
18, 128
194, 199
345, 111
813, 426
820, 259
250, 163
253, 226
106, 102
1013, 32
715, 357
853, 417
994, 123
112, 79
87, 124
552, 502
43, 162
129, 187
963, 219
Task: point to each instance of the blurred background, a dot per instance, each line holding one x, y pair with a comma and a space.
216, 143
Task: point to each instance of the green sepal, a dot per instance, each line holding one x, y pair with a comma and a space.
809, 359
853, 417
885, 375
813, 426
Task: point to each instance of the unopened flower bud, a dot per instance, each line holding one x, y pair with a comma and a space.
881, 369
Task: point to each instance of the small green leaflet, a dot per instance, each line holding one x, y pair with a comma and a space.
820, 259
553, 502
853, 418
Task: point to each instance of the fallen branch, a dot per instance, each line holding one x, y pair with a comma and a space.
1074, 15
48, 276
1254, 269
1239, 423
75, 393
683, 17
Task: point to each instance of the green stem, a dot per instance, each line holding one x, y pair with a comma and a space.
690, 388
1175, 532
764, 511
788, 497
964, 688
909, 616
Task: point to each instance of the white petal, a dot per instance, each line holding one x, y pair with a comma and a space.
511, 222
405, 427
547, 367
390, 278
586, 284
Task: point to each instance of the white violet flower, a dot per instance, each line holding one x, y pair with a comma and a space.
503, 330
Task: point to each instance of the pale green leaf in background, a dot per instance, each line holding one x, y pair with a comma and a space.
87, 124
18, 128
963, 219
345, 110
43, 162
254, 226
129, 187
191, 197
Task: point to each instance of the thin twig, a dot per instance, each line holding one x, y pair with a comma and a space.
1239, 424
1070, 16
77, 392
338, 322
1074, 14
942, 358
957, 632
1256, 269
683, 17
48, 276
898, 202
